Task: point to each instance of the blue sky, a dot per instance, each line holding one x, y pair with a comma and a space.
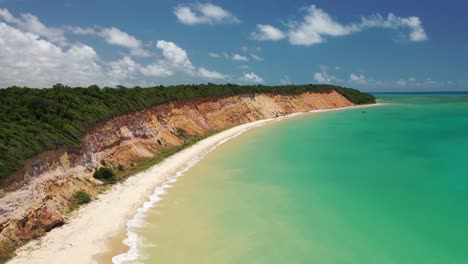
370, 45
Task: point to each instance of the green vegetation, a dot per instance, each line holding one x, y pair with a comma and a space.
181, 133
35, 120
105, 174
81, 197
356, 96
7, 249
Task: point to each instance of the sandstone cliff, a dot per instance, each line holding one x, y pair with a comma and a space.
42, 201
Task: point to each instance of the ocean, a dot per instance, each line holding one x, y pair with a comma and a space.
385, 184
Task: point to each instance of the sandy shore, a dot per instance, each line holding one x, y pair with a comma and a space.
89, 231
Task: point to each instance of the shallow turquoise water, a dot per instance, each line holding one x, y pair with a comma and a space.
385, 184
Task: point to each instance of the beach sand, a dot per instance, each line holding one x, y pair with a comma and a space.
94, 228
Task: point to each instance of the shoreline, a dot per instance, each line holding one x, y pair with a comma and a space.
87, 234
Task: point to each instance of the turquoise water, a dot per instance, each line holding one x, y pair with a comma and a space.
385, 184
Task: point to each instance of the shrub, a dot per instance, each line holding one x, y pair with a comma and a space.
120, 167
181, 133
81, 197
105, 174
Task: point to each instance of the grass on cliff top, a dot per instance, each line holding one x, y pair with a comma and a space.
35, 120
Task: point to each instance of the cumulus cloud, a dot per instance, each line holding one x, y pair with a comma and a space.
392, 21
123, 69
251, 77
238, 57
267, 32
324, 77
357, 78
33, 54
175, 59
56, 35
211, 74
115, 36
317, 25
26, 59
156, 70
206, 13
29, 23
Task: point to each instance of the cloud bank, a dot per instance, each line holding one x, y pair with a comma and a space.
33, 54
317, 25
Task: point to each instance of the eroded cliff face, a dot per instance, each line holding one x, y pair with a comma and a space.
42, 201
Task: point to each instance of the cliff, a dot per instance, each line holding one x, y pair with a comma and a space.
42, 200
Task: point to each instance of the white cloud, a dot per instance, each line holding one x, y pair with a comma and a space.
317, 25
156, 70
392, 21
115, 36
238, 57
175, 56
32, 54
123, 69
252, 78
206, 13
28, 60
357, 78
176, 59
256, 57
267, 32
30, 23
324, 77
211, 74
214, 55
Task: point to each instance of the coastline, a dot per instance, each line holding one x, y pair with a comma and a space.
89, 232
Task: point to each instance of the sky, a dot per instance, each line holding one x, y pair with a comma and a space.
366, 44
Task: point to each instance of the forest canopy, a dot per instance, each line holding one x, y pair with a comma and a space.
35, 120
